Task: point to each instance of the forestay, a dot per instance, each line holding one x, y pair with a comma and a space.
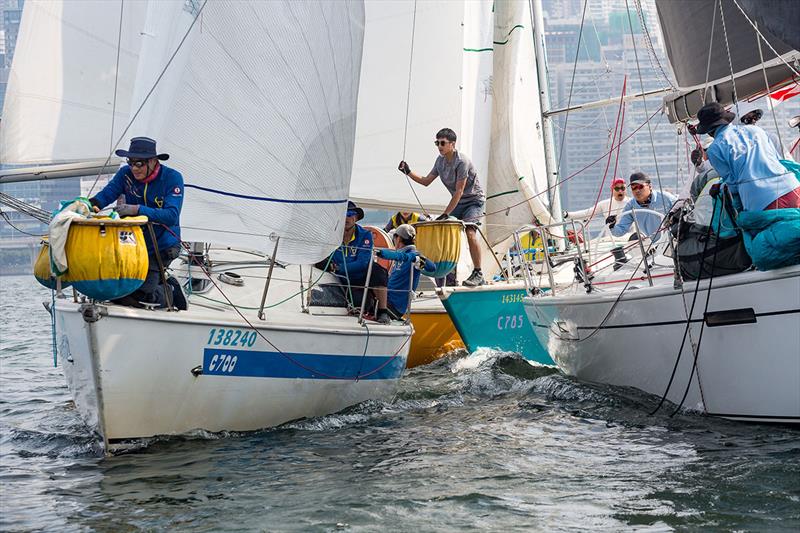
450, 87
258, 111
516, 192
61, 89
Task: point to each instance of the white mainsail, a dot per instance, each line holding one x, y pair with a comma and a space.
261, 129
61, 90
517, 174
450, 87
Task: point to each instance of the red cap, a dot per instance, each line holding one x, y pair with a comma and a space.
617, 181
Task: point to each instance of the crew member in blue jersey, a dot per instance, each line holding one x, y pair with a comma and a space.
146, 187
644, 197
405, 257
747, 162
350, 263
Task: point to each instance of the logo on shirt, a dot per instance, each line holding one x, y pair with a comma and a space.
176, 191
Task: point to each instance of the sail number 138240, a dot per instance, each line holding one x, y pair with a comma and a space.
231, 337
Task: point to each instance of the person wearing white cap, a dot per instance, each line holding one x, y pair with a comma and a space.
405, 257
750, 113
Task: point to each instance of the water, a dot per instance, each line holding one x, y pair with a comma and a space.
478, 442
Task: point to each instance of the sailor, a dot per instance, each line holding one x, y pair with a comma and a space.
750, 113
644, 197
146, 187
747, 162
405, 257
350, 262
403, 217
467, 198
607, 208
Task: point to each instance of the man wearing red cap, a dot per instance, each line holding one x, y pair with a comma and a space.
606, 208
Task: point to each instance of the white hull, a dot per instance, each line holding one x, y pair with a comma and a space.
136, 373
745, 371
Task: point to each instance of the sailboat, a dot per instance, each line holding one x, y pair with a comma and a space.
256, 103
398, 118
491, 316
725, 346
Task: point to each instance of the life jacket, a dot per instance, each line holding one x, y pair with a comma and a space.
398, 219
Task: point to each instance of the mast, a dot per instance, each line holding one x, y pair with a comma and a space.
553, 193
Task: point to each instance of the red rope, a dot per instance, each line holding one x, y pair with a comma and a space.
613, 140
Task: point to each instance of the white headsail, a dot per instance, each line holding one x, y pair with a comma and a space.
516, 191
450, 87
257, 110
61, 90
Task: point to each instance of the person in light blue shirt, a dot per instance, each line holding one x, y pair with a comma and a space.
746, 160
644, 197
405, 257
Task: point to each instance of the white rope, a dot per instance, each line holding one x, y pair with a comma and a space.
710, 47
730, 63
766, 86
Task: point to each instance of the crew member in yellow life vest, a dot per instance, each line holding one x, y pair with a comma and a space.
403, 217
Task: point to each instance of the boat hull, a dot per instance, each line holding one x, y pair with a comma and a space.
493, 316
137, 373
748, 363
434, 336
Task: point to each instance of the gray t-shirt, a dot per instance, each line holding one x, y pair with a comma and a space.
461, 168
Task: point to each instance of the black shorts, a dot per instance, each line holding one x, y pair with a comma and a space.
378, 279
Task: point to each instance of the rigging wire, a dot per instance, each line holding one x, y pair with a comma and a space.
651, 51
794, 71
710, 48
610, 153
408, 105
766, 87
150, 92
571, 86
730, 61
116, 79
644, 104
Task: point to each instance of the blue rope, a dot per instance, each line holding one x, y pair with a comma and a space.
263, 198
53, 326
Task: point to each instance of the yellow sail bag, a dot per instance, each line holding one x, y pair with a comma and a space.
42, 271
107, 257
440, 241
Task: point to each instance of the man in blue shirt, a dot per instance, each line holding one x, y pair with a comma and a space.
644, 197
146, 187
405, 257
747, 162
351, 260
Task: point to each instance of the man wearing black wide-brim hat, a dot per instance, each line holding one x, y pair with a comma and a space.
747, 161
147, 187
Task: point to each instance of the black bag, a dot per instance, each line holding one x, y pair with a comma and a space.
731, 255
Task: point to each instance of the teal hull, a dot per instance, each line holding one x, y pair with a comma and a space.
495, 319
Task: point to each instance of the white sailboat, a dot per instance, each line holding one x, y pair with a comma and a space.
727, 346
256, 102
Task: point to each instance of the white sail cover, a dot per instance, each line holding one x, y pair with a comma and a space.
450, 87
517, 174
60, 95
257, 111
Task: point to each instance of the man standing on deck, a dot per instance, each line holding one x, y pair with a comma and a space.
644, 197
747, 162
146, 187
467, 199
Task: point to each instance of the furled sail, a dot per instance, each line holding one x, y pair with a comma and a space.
65, 82
257, 109
517, 175
699, 57
450, 87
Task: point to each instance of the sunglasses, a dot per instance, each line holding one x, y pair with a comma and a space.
351, 213
636, 186
619, 188
138, 163
440, 143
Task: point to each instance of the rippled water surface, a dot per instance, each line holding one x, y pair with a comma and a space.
483, 441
